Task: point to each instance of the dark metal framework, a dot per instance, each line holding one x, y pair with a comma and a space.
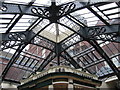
93, 48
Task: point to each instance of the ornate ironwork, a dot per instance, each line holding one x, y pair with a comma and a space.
10, 44
13, 39
64, 9
17, 36
53, 11
40, 11
107, 37
105, 33
92, 32
44, 11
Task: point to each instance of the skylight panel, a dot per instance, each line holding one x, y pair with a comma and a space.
99, 12
107, 6
19, 59
2, 26
18, 1
20, 27
52, 28
29, 62
103, 16
17, 30
63, 1
87, 16
3, 30
69, 23
114, 16
24, 23
92, 19
6, 15
62, 29
92, 23
42, 2
81, 12
94, 8
116, 61
10, 50
4, 21
112, 11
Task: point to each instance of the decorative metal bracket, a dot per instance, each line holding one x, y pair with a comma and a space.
105, 33
113, 37
64, 9
92, 32
40, 11
53, 13
17, 36
12, 39
10, 44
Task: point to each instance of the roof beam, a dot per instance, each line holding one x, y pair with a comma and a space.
99, 61
20, 15
76, 21
31, 2
48, 59
106, 57
67, 57
14, 23
13, 59
105, 33
96, 14
18, 51
68, 8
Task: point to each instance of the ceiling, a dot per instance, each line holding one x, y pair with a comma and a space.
37, 35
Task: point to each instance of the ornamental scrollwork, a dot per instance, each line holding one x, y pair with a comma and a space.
17, 36
64, 9
10, 44
110, 37
92, 32
40, 11
51, 11
99, 33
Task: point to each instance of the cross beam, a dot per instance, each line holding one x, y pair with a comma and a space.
106, 57
105, 33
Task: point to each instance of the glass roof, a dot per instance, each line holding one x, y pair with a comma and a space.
37, 2
70, 34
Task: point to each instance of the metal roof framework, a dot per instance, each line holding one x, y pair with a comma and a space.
83, 35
